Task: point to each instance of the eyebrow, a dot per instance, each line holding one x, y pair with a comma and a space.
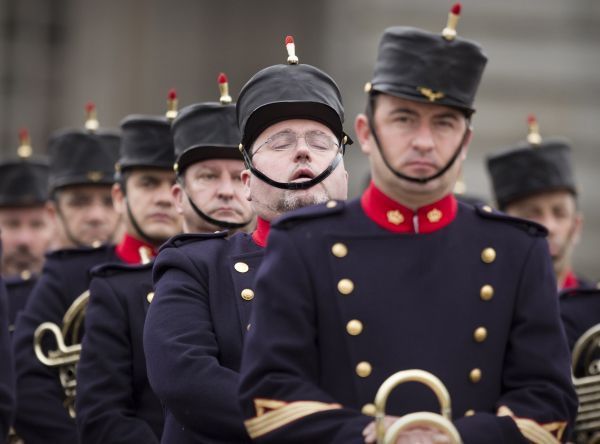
403, 111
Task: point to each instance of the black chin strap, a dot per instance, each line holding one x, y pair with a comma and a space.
202, 215
421, 180
295, 185
67, 230
151, 240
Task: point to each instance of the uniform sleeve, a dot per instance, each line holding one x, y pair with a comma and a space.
105, 406
279, 391
41, 416
7, 382
182, 354
537, 390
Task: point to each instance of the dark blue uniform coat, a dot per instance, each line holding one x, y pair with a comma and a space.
41, 416
7, 376
194, 331
580, 311
115, 403
419, 301
18, 290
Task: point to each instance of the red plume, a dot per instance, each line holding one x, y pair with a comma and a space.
289, 39
222, 78
531, 120
90, 107
23, 135
172, 94
456, 9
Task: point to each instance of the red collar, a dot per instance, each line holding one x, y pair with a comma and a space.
259, 236
397, 218
570, 281
128, 249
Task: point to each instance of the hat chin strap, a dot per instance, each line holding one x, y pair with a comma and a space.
202, 215
304, 185
67, 230
150, 239
421, 180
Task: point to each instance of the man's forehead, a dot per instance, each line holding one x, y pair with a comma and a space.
419, 107
546, 199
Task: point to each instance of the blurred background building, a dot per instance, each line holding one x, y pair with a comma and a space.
124, 55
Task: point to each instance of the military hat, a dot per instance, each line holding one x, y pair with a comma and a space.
292, 91
531, 167
24, 181
83, 157
431, 68
146, 141
207, 130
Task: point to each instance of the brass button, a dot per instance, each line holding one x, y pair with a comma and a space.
354, 327
241, 267
487, 292
434, 215
475, 375
150, 297
331, 204
368, 409
96, 244
345, 286
363, 369
480, 334
487, 209
26, 275
488, 255
470, 412
247, 294
339, 250
394, 217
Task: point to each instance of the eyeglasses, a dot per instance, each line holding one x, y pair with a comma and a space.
287, 141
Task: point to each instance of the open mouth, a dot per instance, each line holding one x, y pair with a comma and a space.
302, 175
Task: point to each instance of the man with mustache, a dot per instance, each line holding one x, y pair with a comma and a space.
114, 400
405, 277
290, 118
26, 225
141, 197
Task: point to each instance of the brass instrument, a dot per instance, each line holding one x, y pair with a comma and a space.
68, 342
443, 421
586, 360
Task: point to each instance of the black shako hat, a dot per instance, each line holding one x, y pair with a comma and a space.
23, 181
83, 157
431, 68
531, 167
207, 130
292, 91
147, 141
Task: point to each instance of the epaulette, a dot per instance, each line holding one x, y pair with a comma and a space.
79, 251
183, 239
311, 212
113, 268
528, 226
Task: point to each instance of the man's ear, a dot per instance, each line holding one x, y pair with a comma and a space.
363, 133
246, 177
118, 198
177, 193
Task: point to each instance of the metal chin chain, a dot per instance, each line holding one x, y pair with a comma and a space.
421, 180
202, 215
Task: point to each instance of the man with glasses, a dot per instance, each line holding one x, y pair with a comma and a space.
405, 277
292, 141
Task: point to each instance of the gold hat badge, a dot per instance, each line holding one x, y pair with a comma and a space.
449, 32
91, 120
224, 89
291, 50
171, 105
24, 151
533, 137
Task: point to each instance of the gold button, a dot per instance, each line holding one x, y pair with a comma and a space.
247, 294
354, 327
339, 250
368, 409
345, 286
394, 217
487, 292
363, 369
26, 275
241, 267
331, 204
480, 334
368, 87
96, 244
488, 255
487, 209
475, 375
470, 412
150, 297
434, 215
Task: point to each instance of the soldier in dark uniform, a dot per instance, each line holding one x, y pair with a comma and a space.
114, 400
7, 377
407, 278
535, 180
26, 226
292, 139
